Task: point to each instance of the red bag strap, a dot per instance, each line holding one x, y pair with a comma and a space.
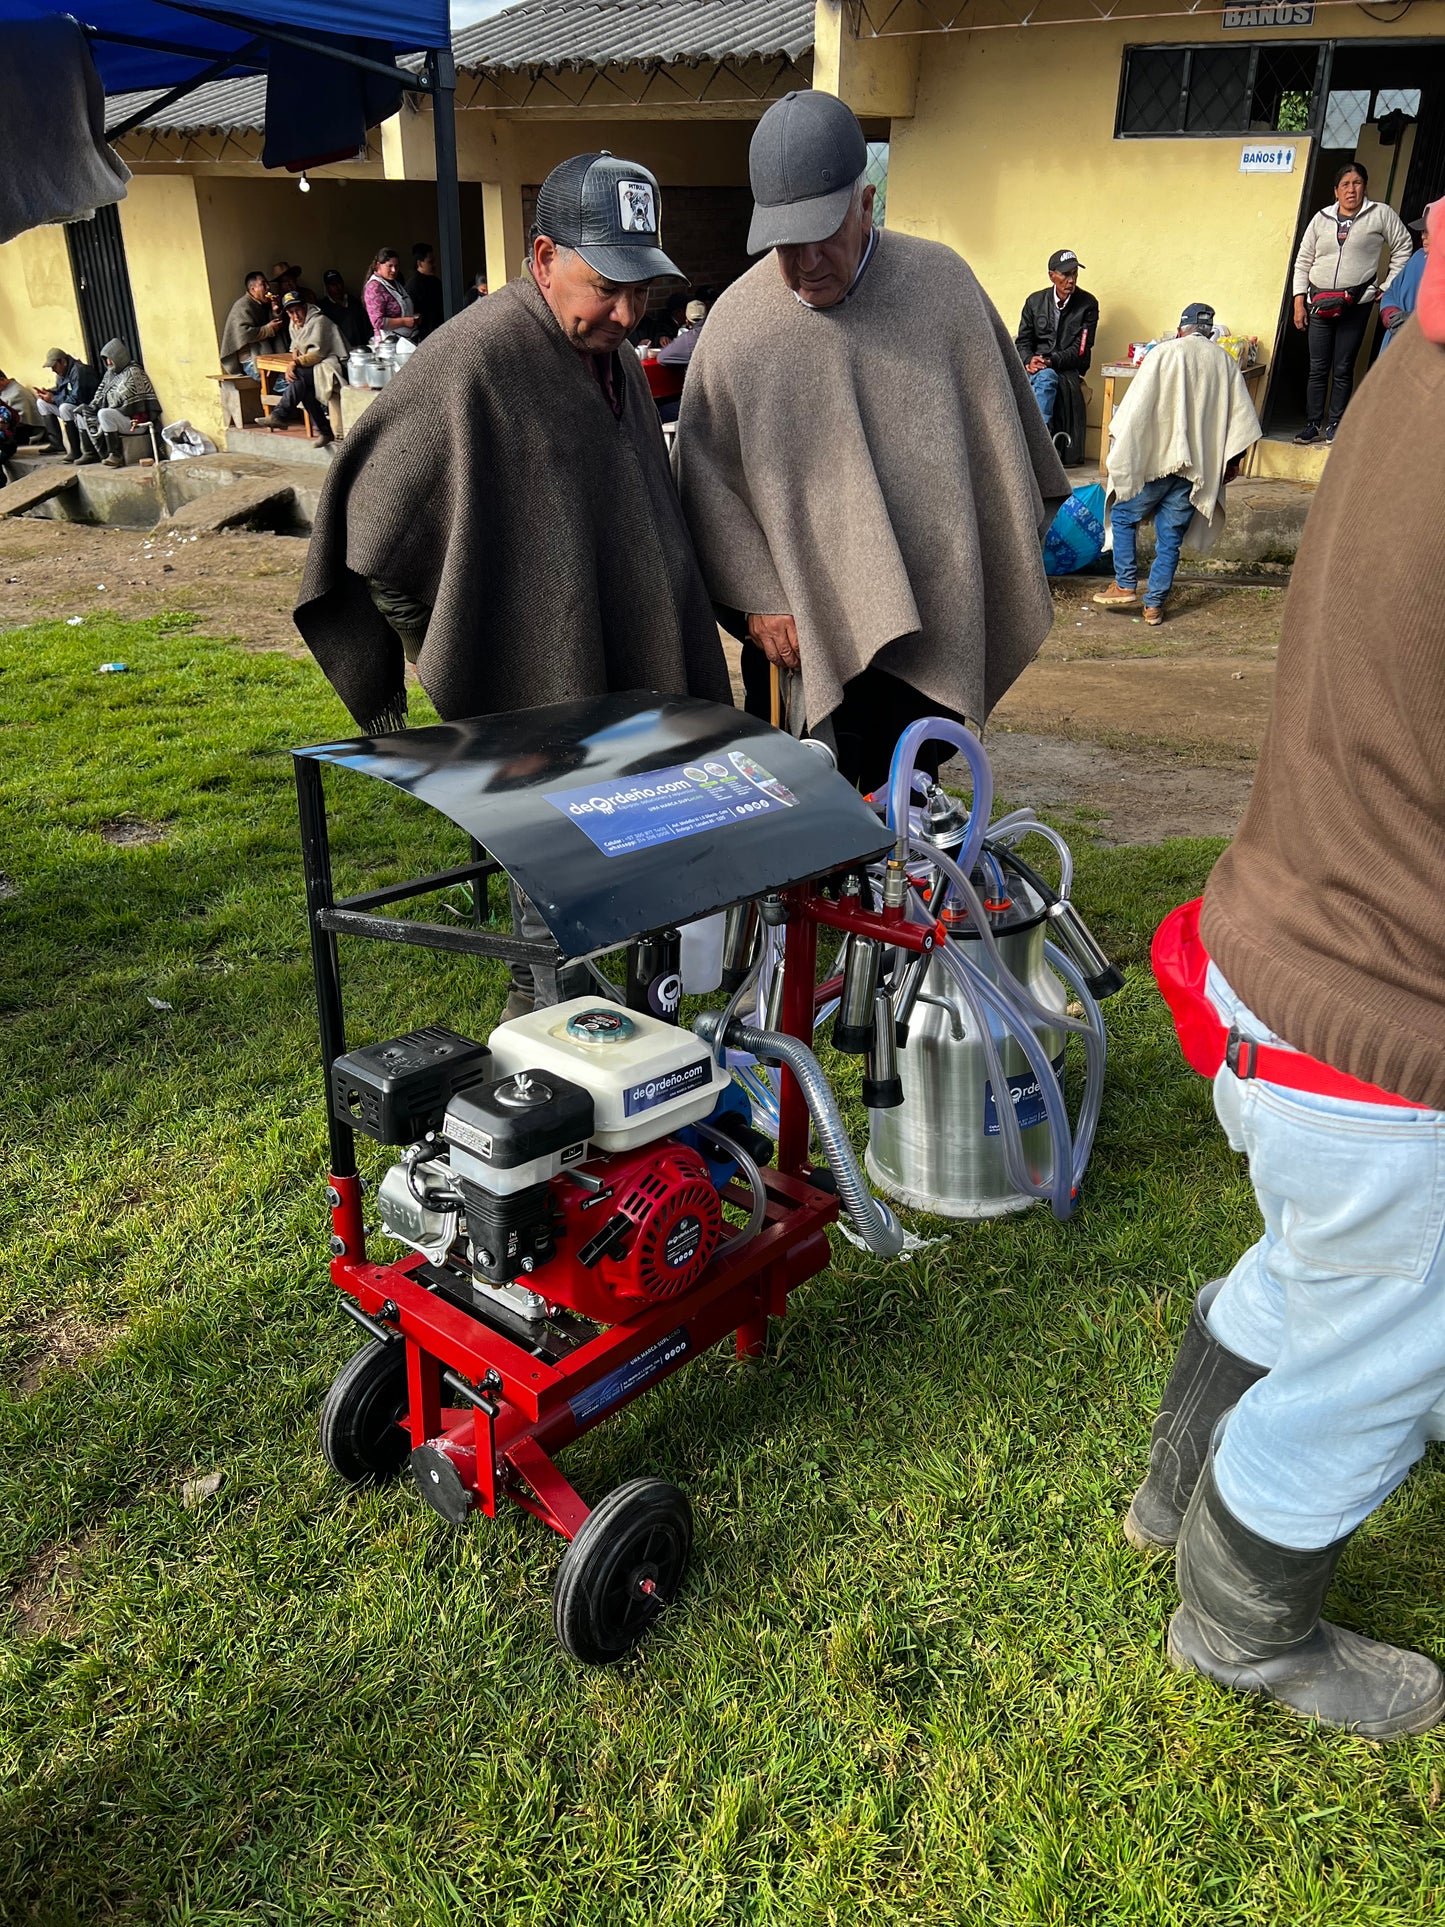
1181, 964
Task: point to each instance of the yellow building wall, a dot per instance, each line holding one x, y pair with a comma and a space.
161, 228
37, 304
984, 166
876, 76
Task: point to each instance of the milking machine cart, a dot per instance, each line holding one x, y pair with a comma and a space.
596, 1194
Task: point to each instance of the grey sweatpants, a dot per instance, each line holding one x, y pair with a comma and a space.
543, 984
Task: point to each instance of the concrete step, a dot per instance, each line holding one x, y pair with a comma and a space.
270, 501
1278, 459
32, 486
290, 446
1264, 518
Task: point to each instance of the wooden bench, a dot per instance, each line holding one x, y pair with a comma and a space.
240, 399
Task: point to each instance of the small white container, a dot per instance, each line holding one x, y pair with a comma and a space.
702, 954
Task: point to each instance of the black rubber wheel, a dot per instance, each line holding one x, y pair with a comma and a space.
624, 1566
362, 1434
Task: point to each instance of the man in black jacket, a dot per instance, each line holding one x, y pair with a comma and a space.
1055, 340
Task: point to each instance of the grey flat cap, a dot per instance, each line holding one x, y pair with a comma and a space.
806, 154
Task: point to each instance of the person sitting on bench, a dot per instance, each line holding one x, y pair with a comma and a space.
318, 357
125, 399
251, 328
75, 383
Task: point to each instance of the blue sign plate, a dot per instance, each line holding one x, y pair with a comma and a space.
1028, 1099
630, 813
630, 1377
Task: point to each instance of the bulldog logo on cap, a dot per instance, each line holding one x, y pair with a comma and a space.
639, 208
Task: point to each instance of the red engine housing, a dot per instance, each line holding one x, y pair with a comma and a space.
665, 1219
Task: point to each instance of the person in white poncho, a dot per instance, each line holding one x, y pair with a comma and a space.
1184, 427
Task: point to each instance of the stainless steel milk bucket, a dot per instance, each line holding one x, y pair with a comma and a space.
940, 1150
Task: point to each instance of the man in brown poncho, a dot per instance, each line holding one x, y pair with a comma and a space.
866, 474
503, 514
251, 328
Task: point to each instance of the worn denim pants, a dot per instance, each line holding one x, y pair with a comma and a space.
1045, 384
1167, 500
1343, 1298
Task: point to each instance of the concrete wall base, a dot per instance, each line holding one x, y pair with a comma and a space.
284, 494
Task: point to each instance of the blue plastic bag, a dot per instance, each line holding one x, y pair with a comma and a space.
1077, 536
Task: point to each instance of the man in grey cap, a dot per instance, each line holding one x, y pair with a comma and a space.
75, 383
503, 515
866, 474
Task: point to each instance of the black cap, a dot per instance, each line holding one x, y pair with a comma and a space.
293, 300
1064, 261
1198, 314
610, 211
806, 153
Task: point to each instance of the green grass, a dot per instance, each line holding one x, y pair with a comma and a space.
916, 1675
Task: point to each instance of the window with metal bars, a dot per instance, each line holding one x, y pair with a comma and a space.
1262, 88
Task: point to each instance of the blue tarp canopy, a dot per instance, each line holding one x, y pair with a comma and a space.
167, 48
406, 26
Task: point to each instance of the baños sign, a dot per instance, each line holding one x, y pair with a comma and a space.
1252, 18
1266, 157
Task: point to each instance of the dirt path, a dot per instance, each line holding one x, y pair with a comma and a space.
239, 585
1140, 733
1137, 795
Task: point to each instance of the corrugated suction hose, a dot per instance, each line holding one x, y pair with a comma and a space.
871, 1218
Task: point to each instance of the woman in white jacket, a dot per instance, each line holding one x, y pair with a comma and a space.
1336, 278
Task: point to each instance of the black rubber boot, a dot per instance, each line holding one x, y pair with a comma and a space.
74, 447
115, 450
1251, 1621
1205, 1382
50, 428
89, 455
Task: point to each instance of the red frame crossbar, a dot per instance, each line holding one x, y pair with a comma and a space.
539, 1408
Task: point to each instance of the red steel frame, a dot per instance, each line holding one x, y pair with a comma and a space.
525, 1412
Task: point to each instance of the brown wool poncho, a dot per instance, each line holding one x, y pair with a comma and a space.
491, 481
879, 471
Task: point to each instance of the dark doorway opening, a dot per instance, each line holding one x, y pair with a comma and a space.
102, 283
1367, 83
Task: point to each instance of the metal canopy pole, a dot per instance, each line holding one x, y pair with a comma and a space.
442, 72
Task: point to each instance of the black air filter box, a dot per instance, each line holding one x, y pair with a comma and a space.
398, 1091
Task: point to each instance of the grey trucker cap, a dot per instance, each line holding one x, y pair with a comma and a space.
610, 211
806, 153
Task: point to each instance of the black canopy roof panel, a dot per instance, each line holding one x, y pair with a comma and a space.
629, 813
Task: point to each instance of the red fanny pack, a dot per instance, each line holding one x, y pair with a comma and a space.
1181, 964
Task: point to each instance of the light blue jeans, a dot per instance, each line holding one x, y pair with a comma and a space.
1343, 1298
1167, 500
1045, 384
